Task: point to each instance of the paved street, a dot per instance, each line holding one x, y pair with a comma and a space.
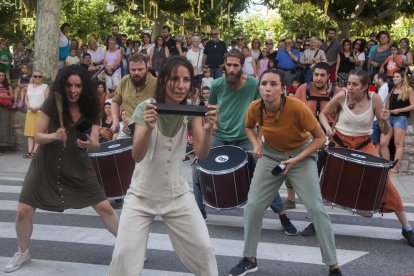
76, 243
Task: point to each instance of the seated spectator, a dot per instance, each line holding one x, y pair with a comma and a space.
207, 80
291, 90
72, 59
21, 56
393, 63
105, 131
124, 131
97, 53
88, 65
37, 92
22, 83
103, 94
5, 103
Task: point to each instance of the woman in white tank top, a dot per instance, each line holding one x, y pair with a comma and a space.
356, 108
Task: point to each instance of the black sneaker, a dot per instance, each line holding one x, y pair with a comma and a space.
203, 212
289, 228
245, 266
409, 236
335, 272
308, 231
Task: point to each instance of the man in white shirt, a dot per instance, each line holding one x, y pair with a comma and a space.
382, 86
97, 53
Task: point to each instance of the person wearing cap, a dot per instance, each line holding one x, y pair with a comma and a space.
178, 49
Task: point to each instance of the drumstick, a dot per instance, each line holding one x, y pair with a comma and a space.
58, 101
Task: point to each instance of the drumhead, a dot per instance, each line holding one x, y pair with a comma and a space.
112, 147
222, 160
359, 157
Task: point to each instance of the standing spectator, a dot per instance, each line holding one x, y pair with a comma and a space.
195, 56
214, 54
331, 48
272, 52
37, 92
112, 63
103, 94
310, 56
146, 48
400, 102
393, 63
105, 133
158, 55
72, 59
381, 85
125, 54
189, 40
166, 34
6, 92
64, 44
405, 50
178, 49
21, 56
114, 35
287, 59
299, 44
255, 50
21, 89
97, 53
379, 53
263, 62
358, 51
345, 62
240, 42
249, 65
204, 41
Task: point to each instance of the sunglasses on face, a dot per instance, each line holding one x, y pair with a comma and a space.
269, 43
240, 39
307, 45
37, 77
214, 33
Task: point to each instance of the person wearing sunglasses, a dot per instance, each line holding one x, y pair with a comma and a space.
214, 52
36, 94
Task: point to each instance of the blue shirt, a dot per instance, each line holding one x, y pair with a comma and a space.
285, 61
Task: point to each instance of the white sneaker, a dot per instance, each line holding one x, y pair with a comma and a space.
18, 260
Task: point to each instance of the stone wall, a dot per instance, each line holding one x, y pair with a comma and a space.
18, 118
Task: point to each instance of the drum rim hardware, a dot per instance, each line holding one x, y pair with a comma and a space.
227, 171
106, 153
386, 164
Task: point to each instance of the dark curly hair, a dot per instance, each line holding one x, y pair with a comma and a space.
88, 100
167, 71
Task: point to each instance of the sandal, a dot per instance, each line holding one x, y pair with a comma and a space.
27, 155
32, 154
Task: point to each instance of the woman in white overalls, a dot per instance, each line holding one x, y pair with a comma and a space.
158, 186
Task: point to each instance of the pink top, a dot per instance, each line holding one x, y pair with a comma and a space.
111, 58
263, 65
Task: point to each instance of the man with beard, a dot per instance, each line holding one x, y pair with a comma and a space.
133, 89
114, 34
233, 94
315, 95
331, 48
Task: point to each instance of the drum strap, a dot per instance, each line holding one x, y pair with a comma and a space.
341, 143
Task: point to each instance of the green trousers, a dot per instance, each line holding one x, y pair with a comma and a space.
304, 178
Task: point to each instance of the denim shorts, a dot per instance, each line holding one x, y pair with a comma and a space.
399, 122
376, 133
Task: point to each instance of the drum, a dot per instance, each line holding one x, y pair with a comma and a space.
354, 180
114, 166
224, 177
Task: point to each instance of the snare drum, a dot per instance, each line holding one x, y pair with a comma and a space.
114, 166
354, 180
224, 177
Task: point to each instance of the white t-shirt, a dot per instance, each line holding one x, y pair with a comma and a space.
97, 55
196, 59
383, 93
63, 40
149, 49
36, 95
207, 82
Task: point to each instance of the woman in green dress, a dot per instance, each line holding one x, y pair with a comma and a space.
61, 175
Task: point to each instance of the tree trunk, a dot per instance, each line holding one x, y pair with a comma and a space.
46, 43
157, 25
344, 28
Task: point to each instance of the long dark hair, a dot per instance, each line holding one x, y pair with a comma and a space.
5, 83
169, 69
88, 100
282, 83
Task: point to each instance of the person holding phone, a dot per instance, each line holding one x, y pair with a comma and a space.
61, 175
292, 135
